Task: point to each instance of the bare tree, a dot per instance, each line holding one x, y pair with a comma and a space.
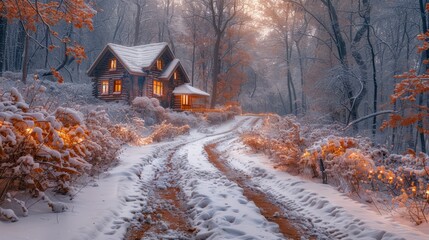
221, 15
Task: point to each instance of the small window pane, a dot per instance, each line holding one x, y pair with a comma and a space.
185, 100
157, 88
105, 87
159, 64
117, 86
113, 64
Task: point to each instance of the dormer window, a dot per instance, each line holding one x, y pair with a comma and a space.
112, 65
159, 64
175, 75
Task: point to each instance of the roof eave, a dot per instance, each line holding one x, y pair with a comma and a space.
101, 55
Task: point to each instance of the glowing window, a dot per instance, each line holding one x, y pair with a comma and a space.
113, 64
117, 87
105, 87
175, 75
185, 100
159, 64
157, 88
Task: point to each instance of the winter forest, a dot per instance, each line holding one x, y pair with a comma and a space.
214, 119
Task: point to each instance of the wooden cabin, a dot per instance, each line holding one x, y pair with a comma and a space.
152, 70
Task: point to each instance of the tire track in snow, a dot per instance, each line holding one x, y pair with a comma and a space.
165, 214
270, 211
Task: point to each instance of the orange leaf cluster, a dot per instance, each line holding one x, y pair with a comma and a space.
78, 52
30, 13
57, 75
412, 87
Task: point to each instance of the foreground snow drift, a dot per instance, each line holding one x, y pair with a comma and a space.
100, 210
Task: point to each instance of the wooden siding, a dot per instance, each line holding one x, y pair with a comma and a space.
103, 73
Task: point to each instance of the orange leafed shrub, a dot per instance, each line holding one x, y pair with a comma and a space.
165, 131
278, 137
40, 151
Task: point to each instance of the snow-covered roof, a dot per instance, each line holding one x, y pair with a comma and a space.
186, 89
170, 69
135, 59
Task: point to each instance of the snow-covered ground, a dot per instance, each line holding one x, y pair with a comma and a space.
216, 206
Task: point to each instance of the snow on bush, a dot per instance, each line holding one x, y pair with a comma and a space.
219, 117
41, 151
153, 113
8, 214
278, 137
165, 131
351, 163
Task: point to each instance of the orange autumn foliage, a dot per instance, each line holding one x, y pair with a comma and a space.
32, 13
409, 91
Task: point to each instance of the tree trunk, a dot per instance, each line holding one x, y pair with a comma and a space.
375, 85
216, 70
342, 55
3, 28
25, 60
20, 45
426, 57
137, 24
301, 71
193, 58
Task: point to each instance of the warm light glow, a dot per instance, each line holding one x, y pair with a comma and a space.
175, 75
157, 88
185, 100
306, 154
105, 87
159, 64
28, 130
117, 88
113, 64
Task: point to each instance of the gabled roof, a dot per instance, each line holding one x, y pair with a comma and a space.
168, 72
170, 69
187, 89
134, 59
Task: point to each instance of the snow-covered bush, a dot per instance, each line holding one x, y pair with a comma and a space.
40, 151
103, 147
219, 117
351, 163
150, 109
165, 131
153, 113
278, 137
342, 159
234, 107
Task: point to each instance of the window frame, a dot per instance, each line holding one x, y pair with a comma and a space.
159, 64
158, 88
115, 85
113, 64
185, 100
103, 84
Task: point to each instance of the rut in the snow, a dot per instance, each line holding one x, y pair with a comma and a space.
269, 210
168, 212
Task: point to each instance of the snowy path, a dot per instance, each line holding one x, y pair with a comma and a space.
174, 190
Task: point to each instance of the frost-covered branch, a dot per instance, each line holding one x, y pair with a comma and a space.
368, 116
